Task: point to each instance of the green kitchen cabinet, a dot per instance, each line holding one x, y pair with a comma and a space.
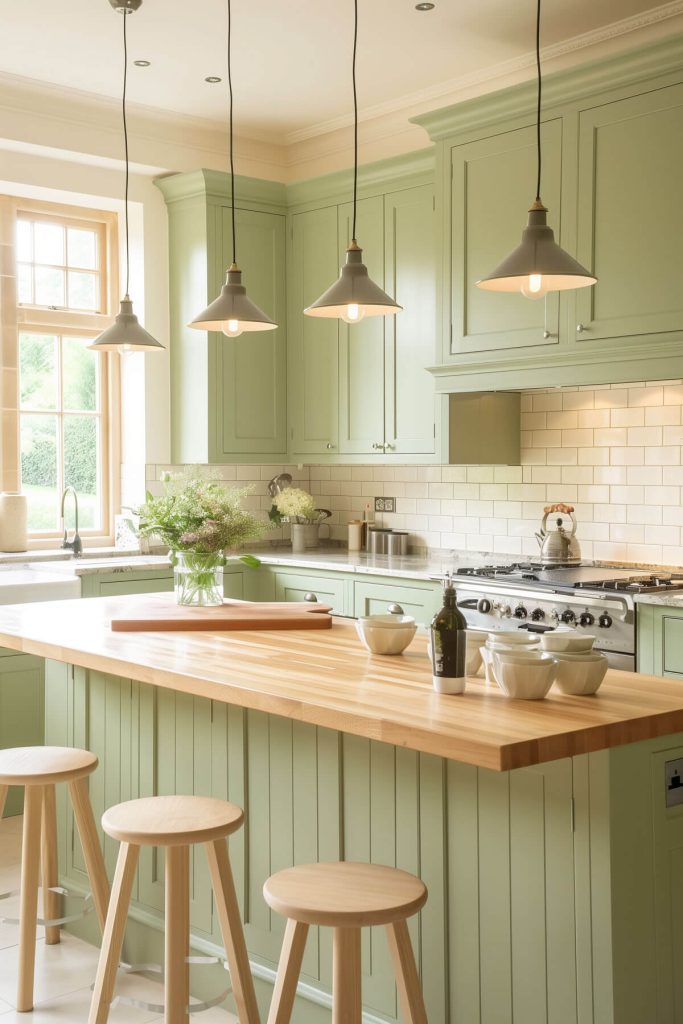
660, 640
22, 709
228, 395
630, 217
330, 589
421, 600
116, 584
492, 188
313, 350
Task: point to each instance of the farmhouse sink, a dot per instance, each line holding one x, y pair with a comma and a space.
24, 585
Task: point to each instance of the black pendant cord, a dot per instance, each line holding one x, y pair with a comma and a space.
232, 162
538, 106
355, 119
125, 143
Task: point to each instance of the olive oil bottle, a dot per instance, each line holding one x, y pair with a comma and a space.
448, 644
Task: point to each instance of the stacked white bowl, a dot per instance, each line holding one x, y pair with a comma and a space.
579, 669
525, 665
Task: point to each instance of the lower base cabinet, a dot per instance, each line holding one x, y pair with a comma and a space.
22, 709
551, 900
660, 640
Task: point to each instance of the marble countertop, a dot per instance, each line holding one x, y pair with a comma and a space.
670, 600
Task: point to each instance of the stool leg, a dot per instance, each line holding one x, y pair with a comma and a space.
30, 867
407, 978
92, 851
3, 797
50, 872
288, 971
177, 935
112, 935
346, 976
230, 922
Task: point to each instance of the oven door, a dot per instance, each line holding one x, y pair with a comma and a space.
624, 662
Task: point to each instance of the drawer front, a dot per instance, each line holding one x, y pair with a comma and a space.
672, 645
151, 585
420, 602
293, 587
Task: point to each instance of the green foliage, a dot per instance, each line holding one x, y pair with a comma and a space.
199, 515
39, 462
80, 454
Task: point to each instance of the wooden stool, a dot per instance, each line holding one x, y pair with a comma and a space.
175, 822
38, 769
347, 897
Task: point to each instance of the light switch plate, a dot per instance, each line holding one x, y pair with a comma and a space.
385, 504
673, 774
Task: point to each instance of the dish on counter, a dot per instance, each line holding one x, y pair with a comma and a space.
567, 640
524, 678
386, 634
580, 675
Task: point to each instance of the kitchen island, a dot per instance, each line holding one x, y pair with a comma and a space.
541, 828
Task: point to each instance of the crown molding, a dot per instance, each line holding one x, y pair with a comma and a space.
404, 171
214, 186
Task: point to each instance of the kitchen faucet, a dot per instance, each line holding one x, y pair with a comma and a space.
76, 545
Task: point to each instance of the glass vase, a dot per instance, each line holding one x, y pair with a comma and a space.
198, 578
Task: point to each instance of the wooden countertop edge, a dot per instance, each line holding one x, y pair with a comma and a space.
497, 757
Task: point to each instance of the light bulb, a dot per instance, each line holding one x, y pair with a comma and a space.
231, 328
354, 313
534, 286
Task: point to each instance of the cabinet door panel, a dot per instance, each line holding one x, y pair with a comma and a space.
410, 276
361, 347
22, 710
492, 189
313, 341
631, 215
420, 602
251, 377
292, 587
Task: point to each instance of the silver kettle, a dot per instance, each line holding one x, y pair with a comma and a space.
559, 546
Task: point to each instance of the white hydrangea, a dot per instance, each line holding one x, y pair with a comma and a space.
296, 504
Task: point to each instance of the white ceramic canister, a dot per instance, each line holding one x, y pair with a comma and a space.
298, 535
355, 534
13, 522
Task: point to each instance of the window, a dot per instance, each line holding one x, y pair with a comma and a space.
65, 419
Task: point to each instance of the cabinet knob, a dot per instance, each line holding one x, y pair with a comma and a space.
548, 334
377, 446
310, 596
329, 445
580, 328
389, 447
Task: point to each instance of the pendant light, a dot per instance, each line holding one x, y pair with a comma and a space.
354, 295
233, 311
126, 334
538, 265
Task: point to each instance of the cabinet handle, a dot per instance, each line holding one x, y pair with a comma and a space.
388, 446
329, 445
580, 328
549, 334
377, 446
310, 596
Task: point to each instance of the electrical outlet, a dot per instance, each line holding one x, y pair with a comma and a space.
385, 504
673, 775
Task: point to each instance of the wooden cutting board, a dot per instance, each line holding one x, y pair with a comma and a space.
167, 615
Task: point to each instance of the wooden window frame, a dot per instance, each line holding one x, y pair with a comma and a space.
15, 318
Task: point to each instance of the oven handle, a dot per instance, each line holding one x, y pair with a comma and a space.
615, 605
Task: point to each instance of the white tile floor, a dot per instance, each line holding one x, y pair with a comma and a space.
64, 972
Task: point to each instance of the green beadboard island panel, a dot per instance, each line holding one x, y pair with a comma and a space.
22, 709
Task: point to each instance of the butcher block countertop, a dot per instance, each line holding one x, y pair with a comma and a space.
327, 678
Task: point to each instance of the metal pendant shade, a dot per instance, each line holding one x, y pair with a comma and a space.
537, 256
354, 295
354, 288
233, 305
233, 311
126, 334
538, 265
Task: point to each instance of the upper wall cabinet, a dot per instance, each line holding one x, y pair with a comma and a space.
492, 188
630, 216
228, 395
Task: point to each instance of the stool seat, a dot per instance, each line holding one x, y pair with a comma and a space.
172, 820
345, 894
43, 766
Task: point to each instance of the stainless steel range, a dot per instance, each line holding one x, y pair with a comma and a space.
597, 600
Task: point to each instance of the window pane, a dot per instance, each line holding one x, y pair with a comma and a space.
24, 283
80, 466
79, 375
39, 470
24, 241
81, 248
83, 290
48, 240
49, 287
38, 371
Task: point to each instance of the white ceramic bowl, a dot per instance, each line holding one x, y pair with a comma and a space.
524, 652
580, 675
473, 658
523, 678
386, 634
519, 637
570, 641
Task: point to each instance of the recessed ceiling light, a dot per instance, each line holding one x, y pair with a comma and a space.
425, 7
142, 63
212, 79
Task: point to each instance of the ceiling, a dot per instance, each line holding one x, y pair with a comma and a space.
291, 58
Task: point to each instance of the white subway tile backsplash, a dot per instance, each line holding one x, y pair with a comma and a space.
653, 394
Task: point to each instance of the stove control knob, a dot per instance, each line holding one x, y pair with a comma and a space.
484, 605
520, 612
506, 612
537, 615
555, 615
568, 616
586, 619
605, 620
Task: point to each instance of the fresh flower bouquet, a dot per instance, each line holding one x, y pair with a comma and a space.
201, 520
294, 505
